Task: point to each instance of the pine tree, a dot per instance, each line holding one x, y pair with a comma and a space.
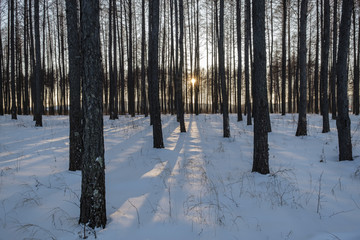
302, 123
261, 147
92, 202
343, 121
76, 131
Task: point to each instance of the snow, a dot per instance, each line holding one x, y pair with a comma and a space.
199, 187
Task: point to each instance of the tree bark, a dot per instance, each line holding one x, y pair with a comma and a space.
38, 104
92, 202
180, 104
153, 73
290, 109
333, 69
122, 65
239, 66
325, 45
12, 38
302, 123
271, 56
261, 147
76, 129
131, 93
226, 126
283, 60
1, 72
247, 74
355, 107
143, 70
316, 73
343, 121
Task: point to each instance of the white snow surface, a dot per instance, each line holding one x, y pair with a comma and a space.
200, 186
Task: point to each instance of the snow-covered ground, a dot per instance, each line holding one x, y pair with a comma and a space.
199, 187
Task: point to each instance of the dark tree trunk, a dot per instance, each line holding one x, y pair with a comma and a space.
271, 57
131, 93
247, 74
50, 63
343, 121
32, 60
18, 64
26, 61
290, 109
239, 66
115, 68
143, 70
110, 64
261, 147
180, 104
226, 126
302, 123
92, 202
1, 75
171, 63
153, 73
76, 131
316, 73
215, 68
122, 67
356, 69
283, 61
357, 101
197, 58
112, 61
333, 69
38, 101
12, 38
325, 42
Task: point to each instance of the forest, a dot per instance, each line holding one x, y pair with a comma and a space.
124, 40
110, 73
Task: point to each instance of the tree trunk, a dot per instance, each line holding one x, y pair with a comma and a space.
197, 58
290, 109
357, 100
26, 61
271, 57
333, 69
261, 147
239, 66
38, 104
180, 105
76, 131
283, 60
110, 63
12, 38
143, 70
356, 70
1, 72
247, 77
316, 74
325, 42
131, 94
115, 68
226, 126
18, 64
302, 123
122, 65
92, 202
153, 73
343, 121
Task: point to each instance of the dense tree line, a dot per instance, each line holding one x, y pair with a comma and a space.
124, 40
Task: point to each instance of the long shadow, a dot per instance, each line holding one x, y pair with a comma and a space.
146, 191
